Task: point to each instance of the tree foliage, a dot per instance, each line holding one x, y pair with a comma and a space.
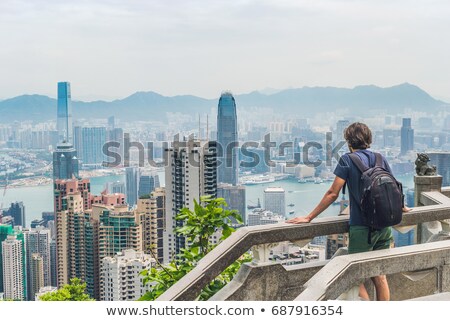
75, 291
208, 217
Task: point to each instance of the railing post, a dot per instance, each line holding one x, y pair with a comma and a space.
261, 252
425, 184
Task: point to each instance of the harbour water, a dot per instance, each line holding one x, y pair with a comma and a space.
305, 197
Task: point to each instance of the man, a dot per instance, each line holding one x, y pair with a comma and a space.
359, 138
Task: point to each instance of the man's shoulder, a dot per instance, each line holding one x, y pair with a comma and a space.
345, 159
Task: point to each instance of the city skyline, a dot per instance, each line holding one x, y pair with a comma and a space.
282, 44
116, 166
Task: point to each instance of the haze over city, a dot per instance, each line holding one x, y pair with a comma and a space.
137, 136
112, 49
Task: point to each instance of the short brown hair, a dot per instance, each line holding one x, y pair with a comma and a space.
358, 136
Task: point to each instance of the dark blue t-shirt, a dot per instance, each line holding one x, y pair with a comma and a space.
348, 171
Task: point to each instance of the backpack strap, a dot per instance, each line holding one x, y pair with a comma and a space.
378, 160
358, 162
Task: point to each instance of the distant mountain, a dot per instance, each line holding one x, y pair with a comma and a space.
304, 101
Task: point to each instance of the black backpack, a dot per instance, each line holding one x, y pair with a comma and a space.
382, 198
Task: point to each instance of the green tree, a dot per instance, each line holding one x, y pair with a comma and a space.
75, 291
199, 226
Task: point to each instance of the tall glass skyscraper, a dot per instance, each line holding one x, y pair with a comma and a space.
64, 112
65, 162
407, 136
132, 183
227, 139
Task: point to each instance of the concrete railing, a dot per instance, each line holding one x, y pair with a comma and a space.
227, 252
344, 272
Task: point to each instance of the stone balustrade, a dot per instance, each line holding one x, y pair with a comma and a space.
264, 280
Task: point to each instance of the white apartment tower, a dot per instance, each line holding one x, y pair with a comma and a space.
13, 281
120, 278
275, 200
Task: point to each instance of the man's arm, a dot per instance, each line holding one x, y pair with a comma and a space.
330, 196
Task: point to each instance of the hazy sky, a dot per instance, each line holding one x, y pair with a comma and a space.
111, 48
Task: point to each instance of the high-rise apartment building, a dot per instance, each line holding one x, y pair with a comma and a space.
227, 140
64, 112
407, 136
37, 242
132, 175
120, 278
5, 230
53, 264
190, 174
275, 200
90, 228
152, 212
36, 275
119, 229
14, 284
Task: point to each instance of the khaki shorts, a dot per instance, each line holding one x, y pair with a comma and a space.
359, 239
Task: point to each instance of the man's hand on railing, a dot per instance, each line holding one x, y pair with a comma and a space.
406, 209
299, 220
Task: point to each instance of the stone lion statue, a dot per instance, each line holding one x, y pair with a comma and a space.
422, 167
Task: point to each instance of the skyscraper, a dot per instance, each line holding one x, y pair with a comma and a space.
53, 264
71, 198
17, 211
190, 174
37, 242
13, 268
5, 230
93, 139
341, 125
147, 184
274, 200
132, 183
65, 162
119, 229
36, 275
152, 213
407, 136
64, 122
442, 162
235, 198
227, 140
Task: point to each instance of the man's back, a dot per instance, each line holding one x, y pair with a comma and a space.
349, 172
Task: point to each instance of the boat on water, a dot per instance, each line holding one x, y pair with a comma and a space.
302, 181
292, 204
291, 212
318, 180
